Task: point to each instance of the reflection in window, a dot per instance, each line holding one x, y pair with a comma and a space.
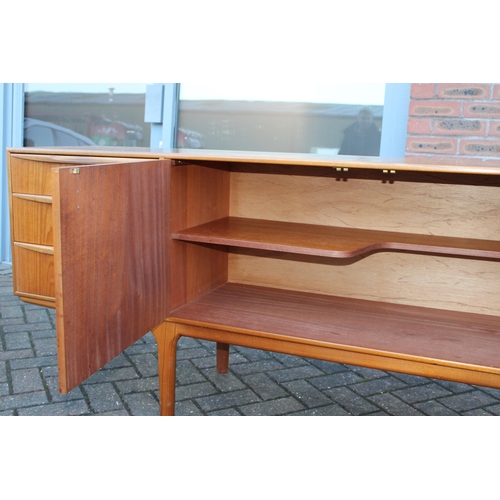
106, 114
325, 119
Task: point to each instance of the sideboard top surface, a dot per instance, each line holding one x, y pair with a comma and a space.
459, 165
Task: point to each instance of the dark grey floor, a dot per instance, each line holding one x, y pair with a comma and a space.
258, 383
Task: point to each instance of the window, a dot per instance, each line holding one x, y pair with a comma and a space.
106, 114
313, 118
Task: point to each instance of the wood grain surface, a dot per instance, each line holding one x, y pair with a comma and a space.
111, 224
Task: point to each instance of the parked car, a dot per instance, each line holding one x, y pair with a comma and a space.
40, 133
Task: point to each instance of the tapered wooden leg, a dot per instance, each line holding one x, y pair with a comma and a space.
166, 338
222, 357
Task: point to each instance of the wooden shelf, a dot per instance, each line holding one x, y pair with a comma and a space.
327, 241
431, 336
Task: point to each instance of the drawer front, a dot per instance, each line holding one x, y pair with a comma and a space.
32, 221
34, 272
30, 177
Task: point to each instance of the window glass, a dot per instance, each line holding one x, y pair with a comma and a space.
314, 118
107, 114
36, 135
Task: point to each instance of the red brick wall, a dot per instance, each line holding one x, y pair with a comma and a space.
447, 120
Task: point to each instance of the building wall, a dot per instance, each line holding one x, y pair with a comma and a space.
450, 119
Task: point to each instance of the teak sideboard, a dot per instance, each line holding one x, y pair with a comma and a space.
371, 262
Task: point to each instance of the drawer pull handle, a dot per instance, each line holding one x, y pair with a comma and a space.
36, 248
34, 197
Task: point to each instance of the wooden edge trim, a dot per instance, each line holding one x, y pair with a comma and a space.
61, 346
363, 356
80, 160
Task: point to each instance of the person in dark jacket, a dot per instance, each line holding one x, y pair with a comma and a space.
362, 138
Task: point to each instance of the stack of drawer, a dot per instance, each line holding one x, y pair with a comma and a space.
31, 229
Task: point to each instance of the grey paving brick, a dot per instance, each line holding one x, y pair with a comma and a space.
327, 366
468, 401
194, 391
45, 346
307, 394
491, 391
67, 408
228, 412
378, 385
290, 361
187, 409
199, 352
120, 361
12, 321
27, 327
352, 402
146, 364
394, 406
421, 393
12, 312
455, 387
190, 343
141, 348
52, 384
3, 371
252, 354
4, 389
331, 410
366, 373
103, 397
50, 370
23, 400
27, 380
18, 340
142, 404
137, 385
30, 362
117, 413
227, 400
335, 380
479, 412
206, 362
37, 315
112, 375
434, 408
409, 379
295, 373
224, 382
187, 373
43, 334
259, 366
272, 408
16, 354
494, 409
265, 387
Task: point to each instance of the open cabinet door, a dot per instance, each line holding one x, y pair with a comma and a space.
111, 262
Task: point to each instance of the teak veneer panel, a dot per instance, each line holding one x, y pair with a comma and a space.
328, 241
430, 336
111, 257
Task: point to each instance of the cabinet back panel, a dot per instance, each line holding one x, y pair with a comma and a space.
418, 207
401, 278
446, 209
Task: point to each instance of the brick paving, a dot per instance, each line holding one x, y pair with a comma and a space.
258, 382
